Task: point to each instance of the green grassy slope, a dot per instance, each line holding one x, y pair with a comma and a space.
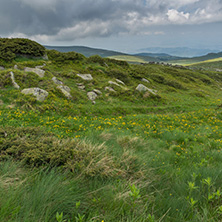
86, 51
131, 156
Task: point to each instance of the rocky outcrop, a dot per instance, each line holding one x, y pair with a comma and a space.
56, 81
92, 96
2, 68
119, 81
110, 89
65, 89
97, 91
114, 83
87, 77
40, 94
80, 86
145, 80
13, 80
142, 88
37, 71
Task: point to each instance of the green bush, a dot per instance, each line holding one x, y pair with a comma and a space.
10, 48
64, 57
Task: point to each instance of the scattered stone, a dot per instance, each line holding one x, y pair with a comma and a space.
2, 68
56, 81
80, 86
97, 91
40, 94
145, 80
219, 70
109, 89
15, 67
37, 71
13, 81
87, 77
113, 83
142, 88
92, 96
119, 81
65, 90
93, 102
40, 67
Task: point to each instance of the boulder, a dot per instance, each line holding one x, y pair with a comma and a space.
92, 96
65, 90
119, 81
37, 71
40, 67
109, 89
145, 80
113, 83
13, 81
2, 68
87, 77
80, 86
142, 88
97, 91
56, 81
40, 94
15, 67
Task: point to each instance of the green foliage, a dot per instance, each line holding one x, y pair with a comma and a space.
10, 48
62, 58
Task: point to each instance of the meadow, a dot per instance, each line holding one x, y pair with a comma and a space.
130, 157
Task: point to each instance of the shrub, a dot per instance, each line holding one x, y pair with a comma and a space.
10, 48
64, 57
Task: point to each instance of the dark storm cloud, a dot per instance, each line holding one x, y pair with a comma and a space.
71, 19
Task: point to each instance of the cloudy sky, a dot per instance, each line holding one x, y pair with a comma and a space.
123, 25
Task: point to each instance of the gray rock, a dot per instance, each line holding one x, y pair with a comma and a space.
2, 68
15, 67
40, 94
87, 77
97, 91
142, 88
92, 95
145, 80
119, 81
40, 67
65, 90
56, 81
113, 83
13, 81
80, 86
109, 89
219, 70
37, 71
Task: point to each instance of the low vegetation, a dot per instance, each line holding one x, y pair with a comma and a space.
130, 156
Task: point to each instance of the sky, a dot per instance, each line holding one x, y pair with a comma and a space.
122, 25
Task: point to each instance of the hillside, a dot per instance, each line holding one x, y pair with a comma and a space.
209, 56
97, 139
86, 51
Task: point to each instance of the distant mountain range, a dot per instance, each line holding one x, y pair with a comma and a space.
86, 51
179, 51
143, 57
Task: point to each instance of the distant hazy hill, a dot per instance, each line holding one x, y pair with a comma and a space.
159, 56
209, 56
179, 51
86, 51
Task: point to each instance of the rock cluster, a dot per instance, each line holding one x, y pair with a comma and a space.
40, 94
